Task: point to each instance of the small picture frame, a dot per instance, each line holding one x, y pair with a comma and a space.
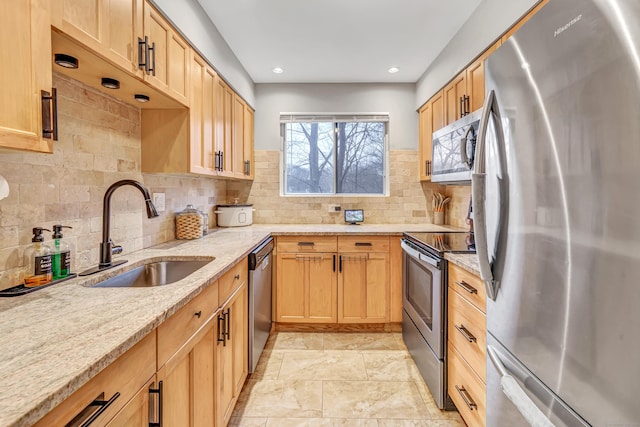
353, 216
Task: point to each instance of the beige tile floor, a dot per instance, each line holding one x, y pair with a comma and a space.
338, 379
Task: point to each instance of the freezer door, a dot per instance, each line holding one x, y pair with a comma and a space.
568, 264
516, 398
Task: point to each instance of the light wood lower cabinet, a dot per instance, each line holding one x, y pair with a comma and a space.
363, 288
324, 279
117, 384
187, 380
140, 411
232, 356
466, 345
306, 287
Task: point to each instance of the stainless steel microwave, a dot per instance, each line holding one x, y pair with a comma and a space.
454, 150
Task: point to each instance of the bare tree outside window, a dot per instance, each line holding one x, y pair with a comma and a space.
334, 157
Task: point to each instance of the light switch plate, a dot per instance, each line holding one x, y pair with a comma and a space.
158, 201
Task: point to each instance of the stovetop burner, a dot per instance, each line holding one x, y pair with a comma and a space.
450, 241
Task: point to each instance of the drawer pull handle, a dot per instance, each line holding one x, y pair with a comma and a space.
102, 404
465, 332
221, 328
227, 321
364, 244
306, 243
467, 287
198, 313
467, 398
236, 277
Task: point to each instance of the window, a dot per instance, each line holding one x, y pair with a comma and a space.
334, 155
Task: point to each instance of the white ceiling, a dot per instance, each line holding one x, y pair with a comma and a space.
331, 41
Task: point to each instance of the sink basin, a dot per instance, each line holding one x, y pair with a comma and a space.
157, 273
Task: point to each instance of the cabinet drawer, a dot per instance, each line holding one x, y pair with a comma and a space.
468, 332
466, 389
469, 285
307, 244
173, 333
363, 243
126, 375
232, 279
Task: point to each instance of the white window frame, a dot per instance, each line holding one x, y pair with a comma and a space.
335, 118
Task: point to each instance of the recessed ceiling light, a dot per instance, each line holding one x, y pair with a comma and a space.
393, 70
278, 70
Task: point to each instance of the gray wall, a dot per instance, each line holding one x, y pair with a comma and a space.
488, 22
196, 26
395, 99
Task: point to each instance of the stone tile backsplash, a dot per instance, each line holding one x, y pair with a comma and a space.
99, 143
409, 201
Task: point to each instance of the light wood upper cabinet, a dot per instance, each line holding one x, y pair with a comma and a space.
431, 118
201, 117
223, 135
238, 137
456, 98
475, 78
248, 145
168, 59
110, 28
25, 60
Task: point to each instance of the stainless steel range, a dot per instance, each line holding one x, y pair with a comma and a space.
424, 306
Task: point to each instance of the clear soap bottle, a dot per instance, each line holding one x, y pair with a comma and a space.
61, 254
38, 260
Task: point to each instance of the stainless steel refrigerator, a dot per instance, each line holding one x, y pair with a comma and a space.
556, 198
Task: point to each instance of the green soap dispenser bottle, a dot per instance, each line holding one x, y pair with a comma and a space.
61, 255
38, 260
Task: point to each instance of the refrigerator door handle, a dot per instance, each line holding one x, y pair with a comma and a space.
478, 193
516, 394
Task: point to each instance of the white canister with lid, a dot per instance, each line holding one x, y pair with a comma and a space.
235, 215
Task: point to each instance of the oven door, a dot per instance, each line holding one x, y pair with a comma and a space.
422, 295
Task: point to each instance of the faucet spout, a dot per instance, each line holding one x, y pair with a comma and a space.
107, 248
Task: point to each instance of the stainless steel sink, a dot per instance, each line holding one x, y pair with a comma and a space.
155, 273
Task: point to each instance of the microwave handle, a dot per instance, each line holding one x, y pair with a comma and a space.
463, 147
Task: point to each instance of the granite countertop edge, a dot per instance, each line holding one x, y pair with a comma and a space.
36, 374
467, 261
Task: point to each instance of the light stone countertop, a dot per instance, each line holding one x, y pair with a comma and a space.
467, 261
56, 339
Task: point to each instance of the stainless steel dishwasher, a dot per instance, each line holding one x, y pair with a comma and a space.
260, 267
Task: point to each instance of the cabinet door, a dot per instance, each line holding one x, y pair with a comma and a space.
321, 300
290, 288
169, 58
363, 288
108, 27
223, 136
25, 59
475, 79
248, 142
431, 118
306, 288
239, 337
188, 381
224, 376
238, 137
201, 117
453, 93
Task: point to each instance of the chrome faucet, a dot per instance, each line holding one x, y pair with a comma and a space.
107, 248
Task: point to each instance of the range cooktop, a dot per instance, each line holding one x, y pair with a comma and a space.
451, 241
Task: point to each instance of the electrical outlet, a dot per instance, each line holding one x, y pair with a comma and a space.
158, 201
334, 208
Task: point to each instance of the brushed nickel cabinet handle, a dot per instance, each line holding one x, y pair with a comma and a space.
467, 287
465, 333
467, 398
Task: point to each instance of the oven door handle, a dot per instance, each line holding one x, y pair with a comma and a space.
419, 256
